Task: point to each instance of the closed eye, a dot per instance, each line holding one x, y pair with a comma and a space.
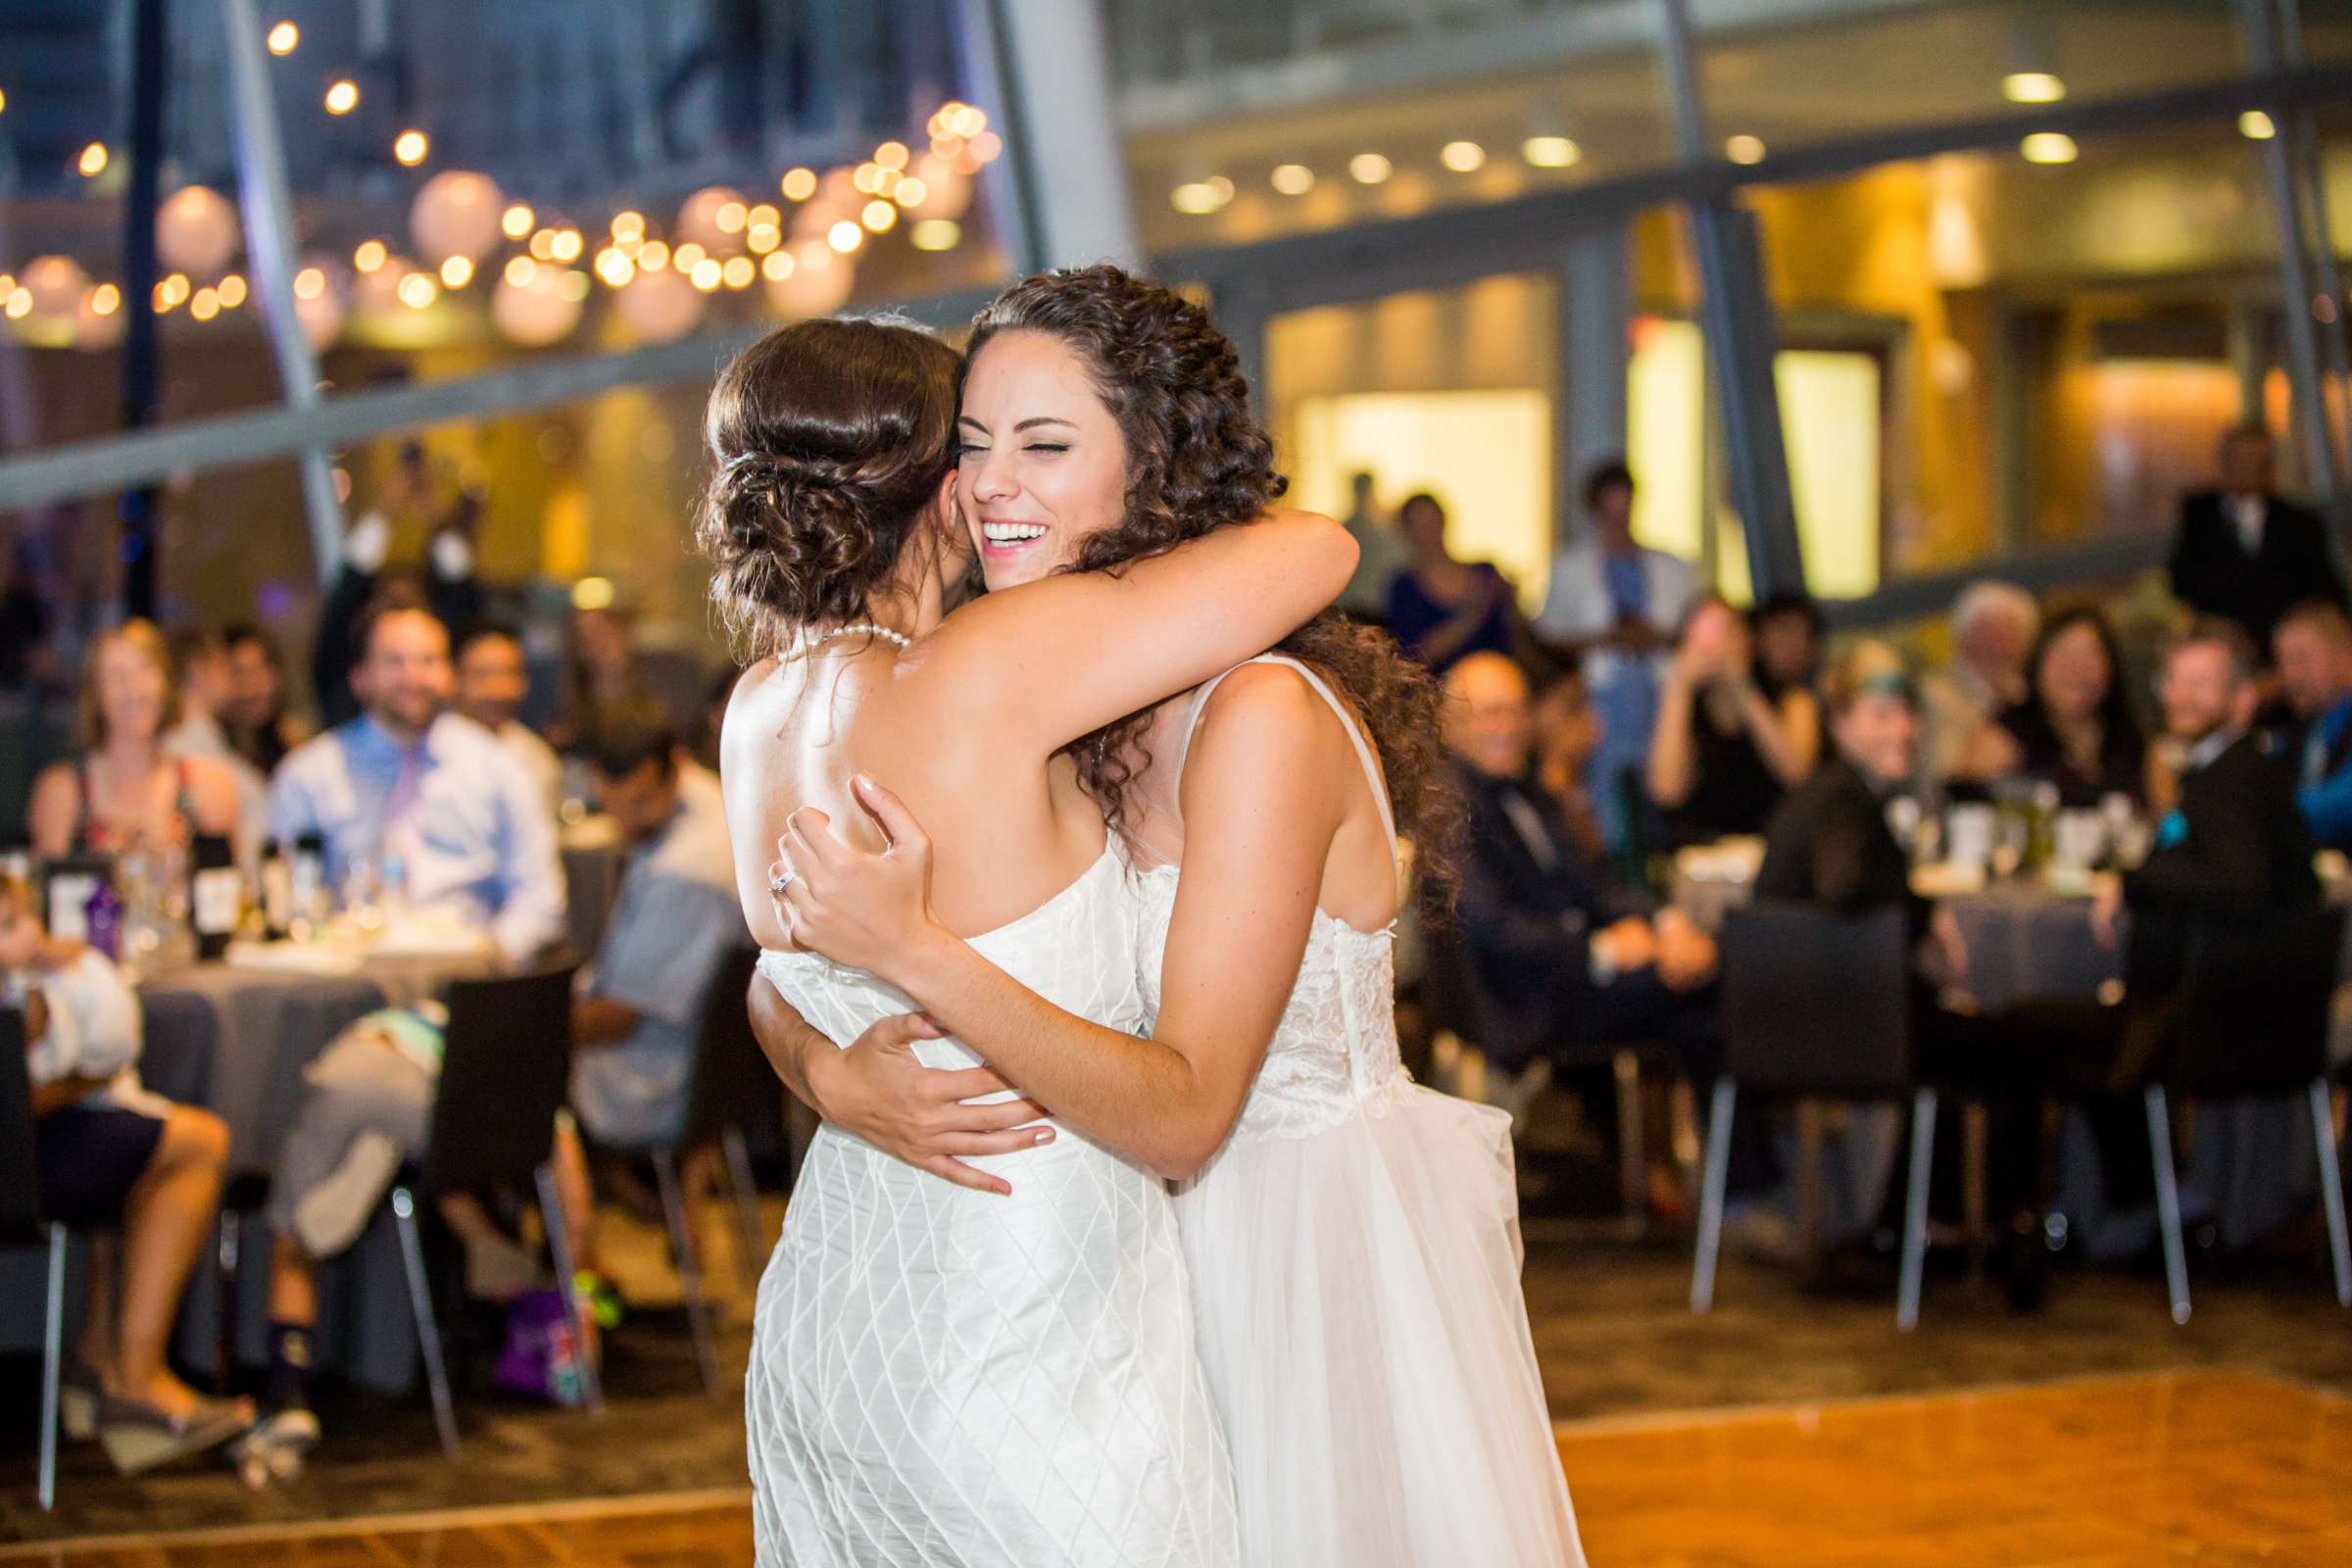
1046, 445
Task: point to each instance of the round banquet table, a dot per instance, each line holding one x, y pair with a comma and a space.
235, 1041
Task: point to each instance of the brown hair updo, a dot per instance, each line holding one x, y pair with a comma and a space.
831, 438
1197, 462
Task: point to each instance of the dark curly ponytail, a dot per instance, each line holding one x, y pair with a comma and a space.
831, 438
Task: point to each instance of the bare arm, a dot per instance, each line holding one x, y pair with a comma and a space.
55, 802
1060, 657
1786, 733
878, 1088
1673, 758
1263, 803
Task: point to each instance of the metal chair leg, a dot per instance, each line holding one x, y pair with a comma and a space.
2331, 1188
746, 1195
1633, 1164
2168, 1201
225, 1264
1914, 1209
1710, 1199
688, 1258
52, 1360
559, 1245
428, 1329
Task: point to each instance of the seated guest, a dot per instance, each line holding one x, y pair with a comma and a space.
1609, 605
2075, 730
107, 1153
1788, 668
636, 1026
2313, 649
1443, 609
1724, 751
1993, 628
1567, 734
1564, 952
366, 1109
255, 716
492, 683
2244, 553
130, 793
407, 786
604, 675
206, 688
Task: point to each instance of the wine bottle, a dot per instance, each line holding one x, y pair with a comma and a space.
278, 892
216, 895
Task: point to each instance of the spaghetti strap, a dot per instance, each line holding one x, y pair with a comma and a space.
1348, 722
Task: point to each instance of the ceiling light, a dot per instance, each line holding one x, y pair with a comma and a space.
2032, 87
1462, 157
343, 97
1550, 152
937, 234
1370, 169
2049, 147
1744, 149
1293, 179
284, 37
2255, 126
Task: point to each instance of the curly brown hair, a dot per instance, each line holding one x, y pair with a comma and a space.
831, 437
1197, 462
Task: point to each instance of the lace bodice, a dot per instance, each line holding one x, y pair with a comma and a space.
1335, 1049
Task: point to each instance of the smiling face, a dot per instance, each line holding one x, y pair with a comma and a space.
1043, 465
2075, 674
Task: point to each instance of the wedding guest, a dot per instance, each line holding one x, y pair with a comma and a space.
259, 727
605, 675
128, 791
1567, 734
2313, 649
2074, 730
1609, 607
1724, 752
1382, 553
410, 785
1444, 608
207, 687
1566, 953
675, 919
2244, 554
492, 683
108, 1154
1993, 628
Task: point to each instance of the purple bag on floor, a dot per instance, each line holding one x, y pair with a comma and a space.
541, 1357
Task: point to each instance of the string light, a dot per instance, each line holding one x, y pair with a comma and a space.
520, 269
738, 272
409, 147
457, 272
416, 291
778, 267
284, 37
105, 300
204, 306
369, 256
845, 236
310, 284
800, 185
230, 291
343, 97
937, 234
879, 215
93, 160
518, 221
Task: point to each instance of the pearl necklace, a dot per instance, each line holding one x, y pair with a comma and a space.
816, 640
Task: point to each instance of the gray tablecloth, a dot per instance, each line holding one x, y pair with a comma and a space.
236, 1041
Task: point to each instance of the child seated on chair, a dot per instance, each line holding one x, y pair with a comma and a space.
109, 1153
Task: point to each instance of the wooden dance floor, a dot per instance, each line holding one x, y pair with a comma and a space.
2217, 1468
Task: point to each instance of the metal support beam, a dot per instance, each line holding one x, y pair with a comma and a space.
1054, 65
142, 336
2298, 285
271, 256
1742, 334
1589, 318
2308, 155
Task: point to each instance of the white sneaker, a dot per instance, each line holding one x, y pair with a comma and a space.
330, 1216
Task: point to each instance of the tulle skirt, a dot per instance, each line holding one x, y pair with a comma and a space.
1365, 1337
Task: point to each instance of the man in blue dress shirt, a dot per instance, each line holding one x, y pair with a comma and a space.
2314, 649
430, 799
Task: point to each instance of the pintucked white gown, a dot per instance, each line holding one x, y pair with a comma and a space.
1355, 1261
948, 1379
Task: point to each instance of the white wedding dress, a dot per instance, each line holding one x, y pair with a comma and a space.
942, 1378
1355, 1257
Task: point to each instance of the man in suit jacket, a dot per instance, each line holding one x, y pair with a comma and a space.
2236, 849
1561, 950
2244, 553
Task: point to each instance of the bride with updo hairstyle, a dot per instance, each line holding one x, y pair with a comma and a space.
1353, 1239
961, 1353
